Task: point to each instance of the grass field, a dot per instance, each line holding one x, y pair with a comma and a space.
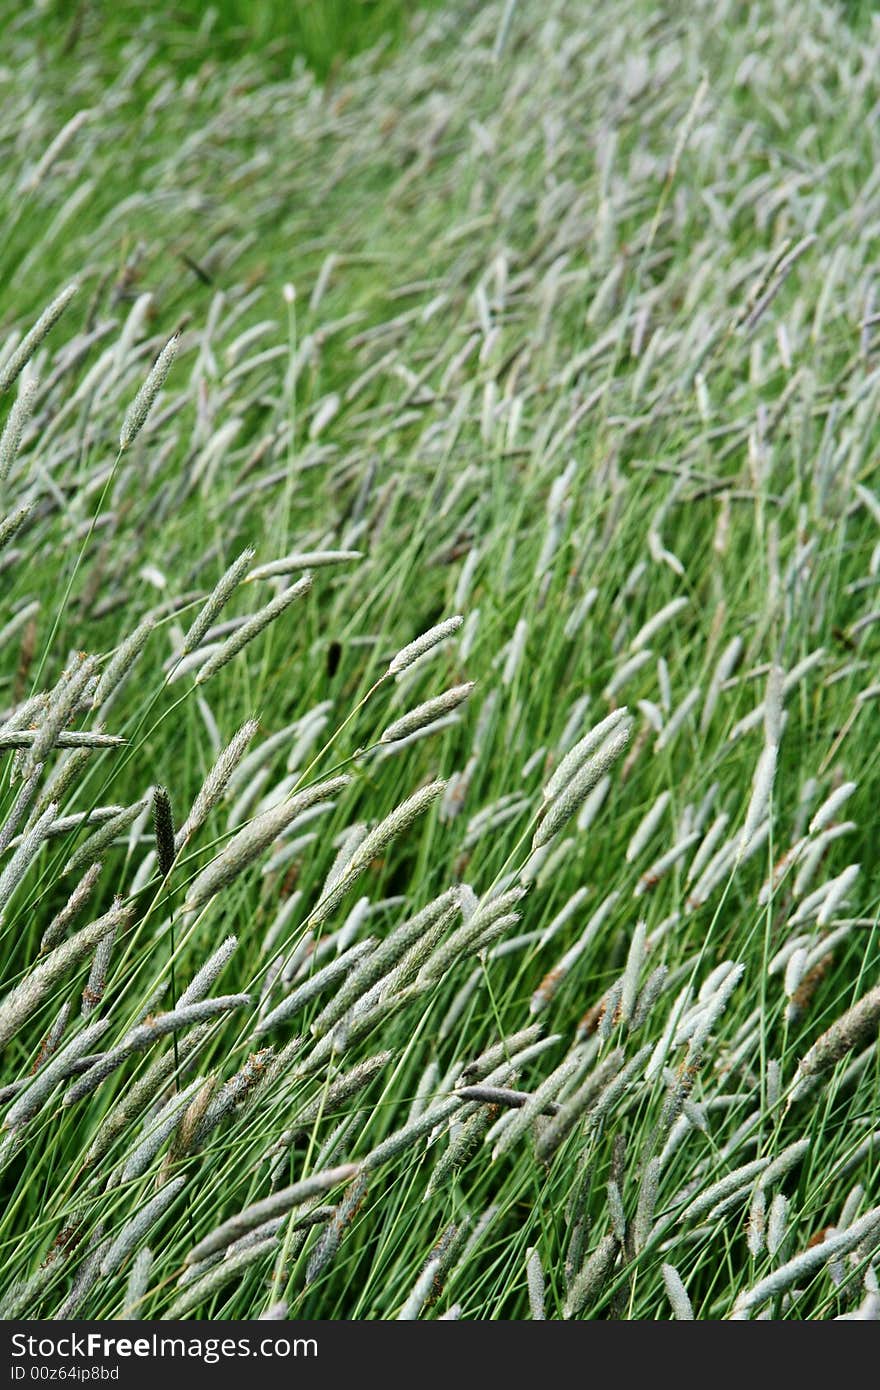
322, 34
531, 970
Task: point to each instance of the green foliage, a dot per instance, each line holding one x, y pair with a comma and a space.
323, 33
570, 327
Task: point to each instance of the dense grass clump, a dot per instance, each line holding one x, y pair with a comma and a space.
440, 528
321, 34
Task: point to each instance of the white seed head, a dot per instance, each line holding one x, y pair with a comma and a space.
136, 415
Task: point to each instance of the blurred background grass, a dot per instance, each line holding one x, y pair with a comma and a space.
321, 32
324, 31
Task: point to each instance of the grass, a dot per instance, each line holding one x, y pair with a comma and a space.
324, 31
552, 325
320, 33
